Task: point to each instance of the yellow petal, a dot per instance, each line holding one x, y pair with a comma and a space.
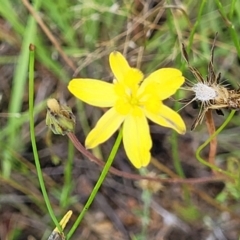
104, 128
122, 107
168, 118
132, 77
137, 141
94, 92
163, 82
119, 65
152, 104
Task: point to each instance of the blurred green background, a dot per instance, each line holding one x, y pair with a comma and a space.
73, 39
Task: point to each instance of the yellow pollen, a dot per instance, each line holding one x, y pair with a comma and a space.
131, 96
134, 101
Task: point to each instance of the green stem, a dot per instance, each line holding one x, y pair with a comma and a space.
232, 9
146, 197
175, 153
233, 32
33, 139
98, 184
28, 35
177, 164
200, 148
196, 25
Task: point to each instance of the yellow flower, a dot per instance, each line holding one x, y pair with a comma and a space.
132, 101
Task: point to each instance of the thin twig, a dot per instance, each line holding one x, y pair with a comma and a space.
213, 143
117, 172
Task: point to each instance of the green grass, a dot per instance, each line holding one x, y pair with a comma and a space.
87, 31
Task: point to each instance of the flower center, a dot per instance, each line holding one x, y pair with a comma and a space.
128, 101
133, 100
203, 92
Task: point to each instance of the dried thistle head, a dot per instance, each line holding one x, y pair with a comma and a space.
208, 92
234, 99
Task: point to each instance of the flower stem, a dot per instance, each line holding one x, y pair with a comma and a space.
234, 34
33, 139
98, 184
176, 159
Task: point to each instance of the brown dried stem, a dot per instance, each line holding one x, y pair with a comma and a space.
117, 172
213, 143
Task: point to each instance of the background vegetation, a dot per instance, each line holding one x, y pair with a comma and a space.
74, 38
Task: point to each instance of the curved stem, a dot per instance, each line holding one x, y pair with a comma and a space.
98, 184
119, 173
